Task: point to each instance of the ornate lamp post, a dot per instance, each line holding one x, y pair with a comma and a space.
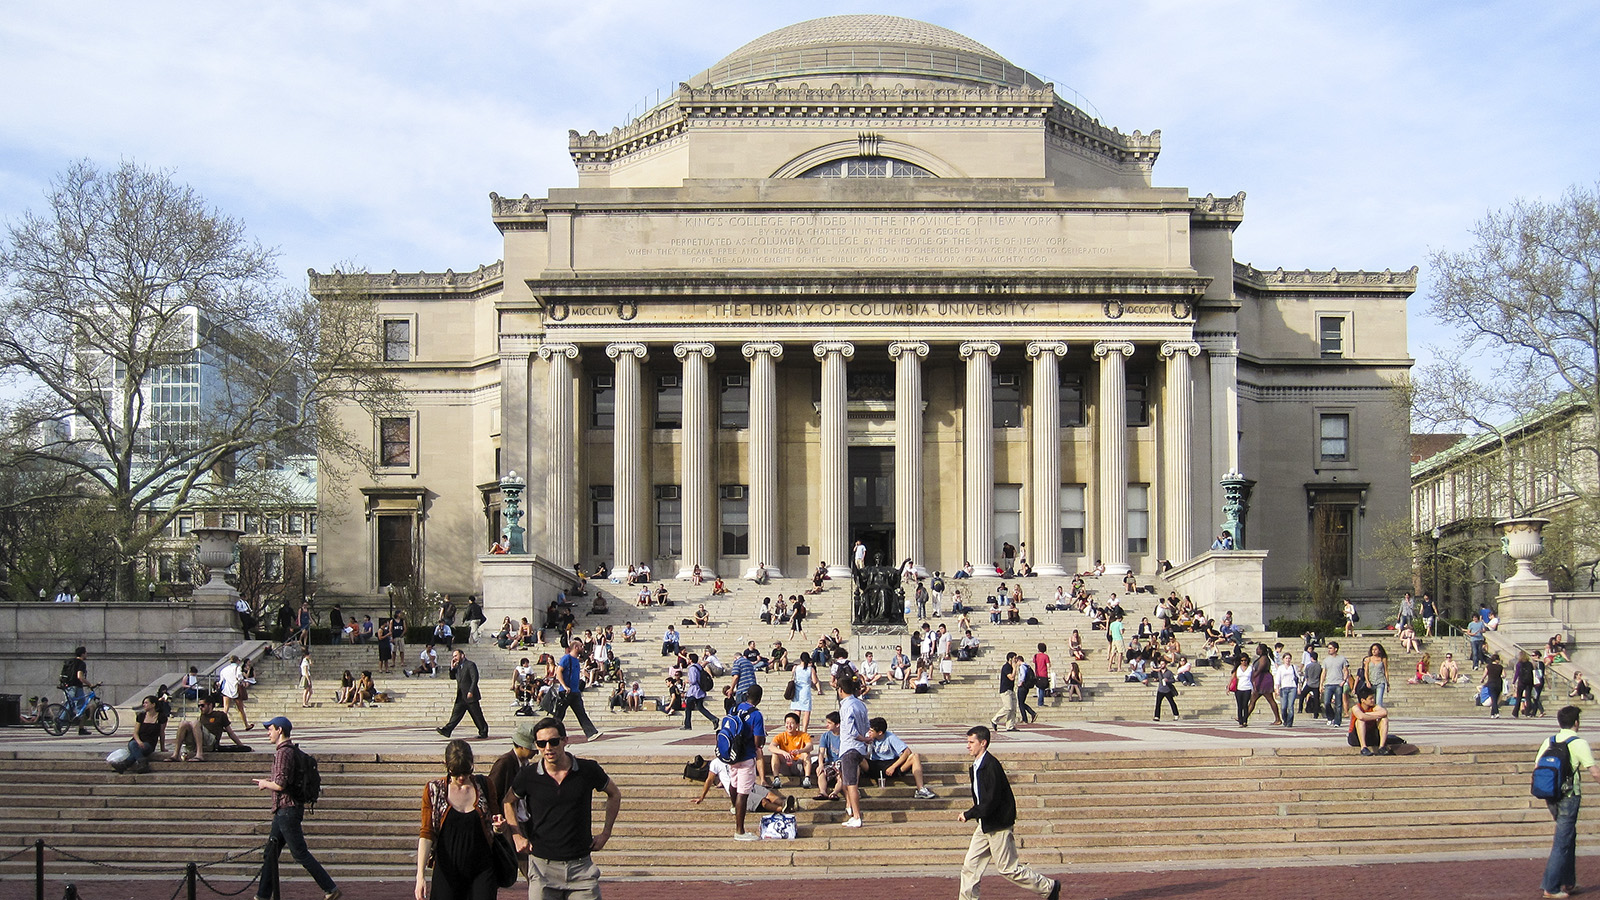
1236, 506
1436, 533
511, 507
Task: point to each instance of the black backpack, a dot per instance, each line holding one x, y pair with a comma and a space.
305, 779
706, 682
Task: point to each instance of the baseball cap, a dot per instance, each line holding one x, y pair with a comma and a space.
280, 722
523, 736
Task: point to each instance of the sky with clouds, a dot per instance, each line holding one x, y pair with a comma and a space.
1366, 134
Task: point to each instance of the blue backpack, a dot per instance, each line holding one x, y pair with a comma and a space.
1552, 774
733, 734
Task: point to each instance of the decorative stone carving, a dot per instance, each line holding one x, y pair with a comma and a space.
1101, 348
1039, 348
900, 347
821, 349
773, 350
1400, 281
449, 281
1522, 540
1169, 348
639, 351
546, 351
970, 348
682, 351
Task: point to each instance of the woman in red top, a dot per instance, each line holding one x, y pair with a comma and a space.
1041, 670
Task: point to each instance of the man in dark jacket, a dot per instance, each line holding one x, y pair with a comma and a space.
468, 696
995, 810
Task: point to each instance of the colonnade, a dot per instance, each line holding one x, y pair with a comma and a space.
631, 477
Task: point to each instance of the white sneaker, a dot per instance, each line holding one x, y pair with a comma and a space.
747, 836
805, 782
923, 794
852, 822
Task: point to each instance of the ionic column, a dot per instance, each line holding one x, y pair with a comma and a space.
977, 432
763, 456
908, 499
630, 467
1046, 537
699, 504
833, 539
562, 489
1113, 438
1177, 463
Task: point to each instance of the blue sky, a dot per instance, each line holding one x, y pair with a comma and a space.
1364, 133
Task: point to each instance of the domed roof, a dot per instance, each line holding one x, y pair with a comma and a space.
864, 45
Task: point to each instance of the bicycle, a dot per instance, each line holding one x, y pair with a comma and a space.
290, 650
58, 717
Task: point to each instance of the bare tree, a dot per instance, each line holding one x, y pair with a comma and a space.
162, 356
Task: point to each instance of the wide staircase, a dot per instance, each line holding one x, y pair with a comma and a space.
735, 621
1215, 807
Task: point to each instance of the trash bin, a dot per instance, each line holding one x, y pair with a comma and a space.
10, 709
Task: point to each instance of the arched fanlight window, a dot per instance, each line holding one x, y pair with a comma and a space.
867, 167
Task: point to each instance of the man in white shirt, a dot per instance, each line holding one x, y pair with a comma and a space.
870, 675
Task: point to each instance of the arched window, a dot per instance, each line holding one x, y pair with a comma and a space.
867, 167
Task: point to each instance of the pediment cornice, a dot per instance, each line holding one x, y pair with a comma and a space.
1098, 283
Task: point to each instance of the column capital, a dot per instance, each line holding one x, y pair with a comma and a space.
970, 349
570, 351
900, 348
772, 349
682, 351
638, 350
1101, 348
1219, 343
1037, 349
1173, 348
821, 349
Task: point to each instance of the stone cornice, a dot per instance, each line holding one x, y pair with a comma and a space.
1329, 280
516, 207
1128, 285
446, 282
805, 104
1225, 210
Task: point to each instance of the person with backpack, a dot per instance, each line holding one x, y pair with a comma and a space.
294, 783
740, 736
695, 684
1562, 792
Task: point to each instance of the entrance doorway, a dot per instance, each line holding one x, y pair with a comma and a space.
872, 502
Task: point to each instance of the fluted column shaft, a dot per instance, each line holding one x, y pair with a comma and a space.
1113, 439
763, 456
562, 489
1046, 537
1224, 364
699, 503
978, 448
1177, 506
630, 464
908, 499
833, 538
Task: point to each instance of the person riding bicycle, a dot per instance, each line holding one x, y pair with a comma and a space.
75, 681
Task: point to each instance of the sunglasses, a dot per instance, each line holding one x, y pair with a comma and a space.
552, 742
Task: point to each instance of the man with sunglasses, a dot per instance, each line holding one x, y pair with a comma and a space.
558, 837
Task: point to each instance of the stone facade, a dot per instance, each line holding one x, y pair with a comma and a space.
864, 279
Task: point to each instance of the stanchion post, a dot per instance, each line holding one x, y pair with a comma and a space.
189, 873
72, 892
38, 869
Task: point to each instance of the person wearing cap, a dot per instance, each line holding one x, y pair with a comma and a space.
288, 814
504, 772
560, 840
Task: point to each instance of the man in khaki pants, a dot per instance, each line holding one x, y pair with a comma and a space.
995, 810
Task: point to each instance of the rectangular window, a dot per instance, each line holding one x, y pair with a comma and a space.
1007, 516
1330, 334
1071, 399
669, 521
669, 402
394, 437
1138, 390
1007, 391
311, 521
1334, 431
603, 401
297, 523
734, 502
735, 407
252, 523
1138, 518
601, 520
313, 570
230, 520
185, 525
274, 525
397, 340
1334, 525
394, 550
166, 568
272, 565
1073, 516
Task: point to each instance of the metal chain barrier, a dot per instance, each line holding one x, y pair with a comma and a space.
72, 892
222, 893
15, 855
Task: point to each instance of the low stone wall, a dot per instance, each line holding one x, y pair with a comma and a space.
129, 644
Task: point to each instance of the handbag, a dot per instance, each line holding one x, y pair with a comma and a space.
503, 856
777, 827
1233, 682
788, 691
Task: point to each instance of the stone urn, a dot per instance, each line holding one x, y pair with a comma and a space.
1522, 540
215, 550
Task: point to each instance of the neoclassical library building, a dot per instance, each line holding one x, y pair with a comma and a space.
865, 279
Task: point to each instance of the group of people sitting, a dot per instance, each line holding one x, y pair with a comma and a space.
360, 691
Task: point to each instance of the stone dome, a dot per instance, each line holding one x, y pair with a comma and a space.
866, 46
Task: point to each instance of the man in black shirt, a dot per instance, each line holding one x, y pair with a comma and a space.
558, 834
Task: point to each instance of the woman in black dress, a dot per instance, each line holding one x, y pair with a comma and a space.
385, 645
459, 819
1494, 677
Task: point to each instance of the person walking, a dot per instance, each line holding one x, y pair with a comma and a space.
288, 814
1561, 872
569, 681
694, 693
460, 815
558, 836
1286, 681
994, 808
469, 695
1008, 711
1335, 674
1166, 688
